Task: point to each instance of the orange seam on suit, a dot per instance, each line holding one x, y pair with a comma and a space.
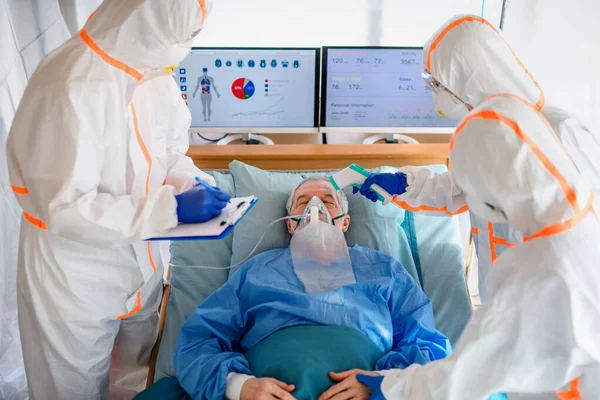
502, 242
108, 59
538, 112
30, 218
459, 129
19, 190
35, 222
150, 256
442, 35
138, 303
142, 144
90, 17
491, 238
202, 4
562, 226
495, 239
573, 393
148, 158
525, 102
568, 191
444, 209
138, 307
539, 105
528, 104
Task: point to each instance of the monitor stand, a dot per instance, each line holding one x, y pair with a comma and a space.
249, 138
390, 139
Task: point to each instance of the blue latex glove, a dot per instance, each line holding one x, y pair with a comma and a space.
200, 204
393, 183
374, 382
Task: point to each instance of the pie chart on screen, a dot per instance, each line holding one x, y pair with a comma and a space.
243, 88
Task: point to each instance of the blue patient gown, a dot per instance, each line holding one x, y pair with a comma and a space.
265, 295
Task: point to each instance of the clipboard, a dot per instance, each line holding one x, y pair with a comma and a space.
215, 229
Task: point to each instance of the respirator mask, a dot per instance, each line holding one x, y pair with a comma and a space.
447, 104
319, 251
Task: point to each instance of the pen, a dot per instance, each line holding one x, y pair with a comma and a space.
206, 185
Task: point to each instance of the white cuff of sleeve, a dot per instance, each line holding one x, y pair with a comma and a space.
235, 382
163, 212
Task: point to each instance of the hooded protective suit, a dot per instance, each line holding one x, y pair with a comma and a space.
96, 154
471, 58
538, 332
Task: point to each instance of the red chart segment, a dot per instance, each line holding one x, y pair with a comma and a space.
242, 88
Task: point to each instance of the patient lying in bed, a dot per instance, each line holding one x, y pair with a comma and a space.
262, 336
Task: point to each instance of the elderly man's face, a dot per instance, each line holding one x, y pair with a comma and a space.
324, 191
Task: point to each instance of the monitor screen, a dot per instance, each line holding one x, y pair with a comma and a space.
251, 88
377, 87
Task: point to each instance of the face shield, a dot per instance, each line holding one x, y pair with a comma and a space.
447, 104
319, 251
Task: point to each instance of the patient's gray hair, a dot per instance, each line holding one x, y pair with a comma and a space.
341, 196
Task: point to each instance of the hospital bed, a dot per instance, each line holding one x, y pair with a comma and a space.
430, 248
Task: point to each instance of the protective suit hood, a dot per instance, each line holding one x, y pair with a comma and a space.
469, 56
147, 34
507, 160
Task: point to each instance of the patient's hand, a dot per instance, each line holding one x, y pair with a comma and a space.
349, 388
266, 389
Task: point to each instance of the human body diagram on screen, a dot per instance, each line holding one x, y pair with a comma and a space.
207, 83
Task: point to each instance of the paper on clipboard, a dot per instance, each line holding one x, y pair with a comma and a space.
215, 228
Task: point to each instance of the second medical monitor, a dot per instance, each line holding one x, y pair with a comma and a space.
378, 88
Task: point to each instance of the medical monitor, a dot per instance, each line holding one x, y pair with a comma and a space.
378, 90
241, 90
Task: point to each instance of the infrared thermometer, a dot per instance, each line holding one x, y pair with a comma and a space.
355, 176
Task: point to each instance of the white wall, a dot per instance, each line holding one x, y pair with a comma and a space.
411, 23
559, 41
333, 22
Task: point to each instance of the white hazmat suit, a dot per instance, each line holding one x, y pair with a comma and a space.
96, 153
538, 332
471, 58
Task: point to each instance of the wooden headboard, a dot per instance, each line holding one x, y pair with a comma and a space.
319, 156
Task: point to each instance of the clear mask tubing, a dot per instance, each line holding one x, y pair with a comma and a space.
307, 220
292, 217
